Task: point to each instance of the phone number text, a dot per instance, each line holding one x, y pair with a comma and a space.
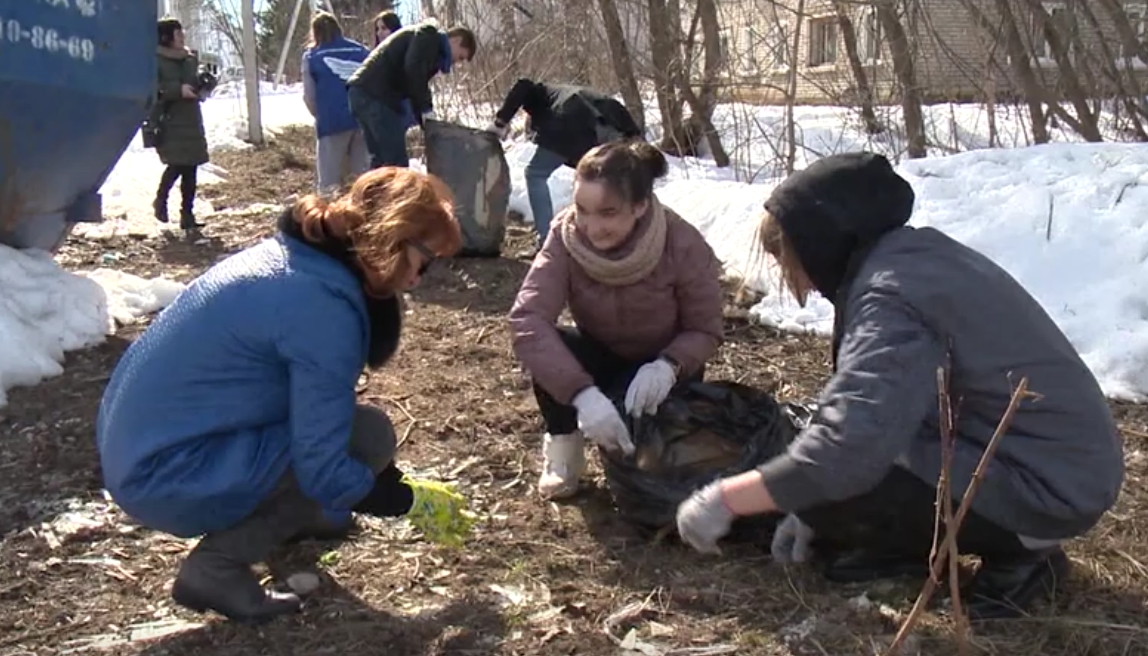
47, 39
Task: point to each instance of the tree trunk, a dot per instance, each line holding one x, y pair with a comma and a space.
623, 64
662, 55
860, 77
791, 91
906, 78
1009, 34
1086, 123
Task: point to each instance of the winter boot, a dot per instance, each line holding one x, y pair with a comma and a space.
160, 207
187, 221
1006, 587
322, 529
209, 580
563, 461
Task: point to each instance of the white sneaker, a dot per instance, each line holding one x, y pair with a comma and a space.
563, 461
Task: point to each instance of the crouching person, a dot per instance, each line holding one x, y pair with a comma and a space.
234, 416
642, 286
861, 479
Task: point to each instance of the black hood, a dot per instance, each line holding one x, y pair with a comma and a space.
833, 211
385, 314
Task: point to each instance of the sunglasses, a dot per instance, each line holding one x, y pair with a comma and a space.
428, 257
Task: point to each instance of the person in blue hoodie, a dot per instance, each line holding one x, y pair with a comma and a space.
234, 416
400, 69
340, 151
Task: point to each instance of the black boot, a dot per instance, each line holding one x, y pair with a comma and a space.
160, 207
209, 580
324, 530
166, 182
187, 188
865, 566
187, 221
1007, 587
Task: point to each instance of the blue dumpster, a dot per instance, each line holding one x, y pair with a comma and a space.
76, 80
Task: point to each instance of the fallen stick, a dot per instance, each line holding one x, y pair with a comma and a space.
945, 510
950, 541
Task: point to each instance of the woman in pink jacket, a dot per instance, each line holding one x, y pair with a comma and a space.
642, 286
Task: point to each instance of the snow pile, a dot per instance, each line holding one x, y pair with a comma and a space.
1066, 220
46, 311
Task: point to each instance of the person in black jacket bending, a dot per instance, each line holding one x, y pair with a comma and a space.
567, 122
400, 69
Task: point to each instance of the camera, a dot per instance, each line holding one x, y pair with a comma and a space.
205, 83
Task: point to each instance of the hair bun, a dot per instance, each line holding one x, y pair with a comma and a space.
651, 158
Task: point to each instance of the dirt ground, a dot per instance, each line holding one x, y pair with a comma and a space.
539, 578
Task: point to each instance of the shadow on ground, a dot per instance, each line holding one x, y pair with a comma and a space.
337, 617
48, 453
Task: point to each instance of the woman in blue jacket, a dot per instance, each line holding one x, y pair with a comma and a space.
234, 415
340, 151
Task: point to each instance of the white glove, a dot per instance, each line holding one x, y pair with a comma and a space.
650, 387
498, 130
791, 541
600, 422
703, 519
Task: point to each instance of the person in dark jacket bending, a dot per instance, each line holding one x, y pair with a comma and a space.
862, 478
400, 69
567, 122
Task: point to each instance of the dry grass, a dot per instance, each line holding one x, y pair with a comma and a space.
540, 578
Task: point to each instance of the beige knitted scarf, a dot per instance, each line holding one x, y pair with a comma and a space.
636, 265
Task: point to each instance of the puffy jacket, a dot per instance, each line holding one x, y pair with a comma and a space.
251, 371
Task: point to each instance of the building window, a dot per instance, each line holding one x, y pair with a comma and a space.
870, 36
1137, 19
822, 41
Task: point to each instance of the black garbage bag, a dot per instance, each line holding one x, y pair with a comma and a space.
702, 431
472, 164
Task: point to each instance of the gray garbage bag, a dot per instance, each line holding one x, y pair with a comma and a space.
472, 164
701, 432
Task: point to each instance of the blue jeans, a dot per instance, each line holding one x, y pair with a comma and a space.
538, 171
384, 129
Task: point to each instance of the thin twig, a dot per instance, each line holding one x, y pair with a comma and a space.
926, 594
406, 434
945, 495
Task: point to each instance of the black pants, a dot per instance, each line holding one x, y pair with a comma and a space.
288, 510
897, 518
611, 373
187, 186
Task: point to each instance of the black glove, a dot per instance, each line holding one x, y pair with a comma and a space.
389, 497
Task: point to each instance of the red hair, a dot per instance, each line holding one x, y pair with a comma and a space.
385, 210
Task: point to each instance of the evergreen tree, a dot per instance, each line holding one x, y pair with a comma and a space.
271, 29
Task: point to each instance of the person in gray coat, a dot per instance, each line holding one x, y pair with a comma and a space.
859, 483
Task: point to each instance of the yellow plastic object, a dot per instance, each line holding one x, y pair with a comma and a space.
440, 512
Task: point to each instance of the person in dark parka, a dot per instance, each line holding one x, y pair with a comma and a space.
399, 70
861, 479
183, 145
567, 122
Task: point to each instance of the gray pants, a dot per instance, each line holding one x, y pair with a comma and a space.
287, 511
340, 157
